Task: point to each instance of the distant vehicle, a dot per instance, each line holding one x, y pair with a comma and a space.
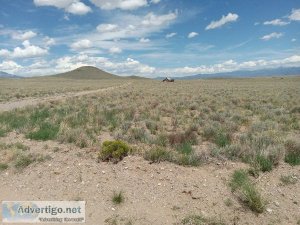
168, 79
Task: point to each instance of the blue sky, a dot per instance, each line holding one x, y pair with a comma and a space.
148, 37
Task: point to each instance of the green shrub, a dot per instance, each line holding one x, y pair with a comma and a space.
292, 155
185, 148
3, 166
113, 151
222, 139
247, 191
118, 198
200, 220
157, 155
46, 131
188, 160
289, 179
263, 163
239, 178
23, 161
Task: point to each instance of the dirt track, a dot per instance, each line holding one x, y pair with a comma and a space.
7, 106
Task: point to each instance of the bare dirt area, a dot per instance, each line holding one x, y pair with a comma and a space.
161, 193
7, 106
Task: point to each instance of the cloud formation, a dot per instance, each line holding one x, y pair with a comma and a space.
192, 34
231, 17
23, 35
120, 4
81, 44
71, 6
28, 51
276, 22
271, 36
171, 35
295, 15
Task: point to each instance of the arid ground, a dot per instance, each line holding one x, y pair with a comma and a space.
219, 151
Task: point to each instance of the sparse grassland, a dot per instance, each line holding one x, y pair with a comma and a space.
217, 125
250, 120
16, 89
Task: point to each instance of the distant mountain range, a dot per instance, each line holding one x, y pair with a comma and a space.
281, 71
7, 75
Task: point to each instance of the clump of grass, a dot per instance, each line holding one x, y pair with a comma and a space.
23, 161
113, 151
185, 148
157, 155
3, 166
292, 155
187, 159
118, 198
288, 179
181, 138
262, 163
46, 131
247, 191
228, 202
200, 220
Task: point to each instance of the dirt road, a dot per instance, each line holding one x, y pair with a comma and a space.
7, 106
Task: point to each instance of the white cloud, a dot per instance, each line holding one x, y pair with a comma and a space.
81, 44
271, 36
120, 4
231, 17
155, 1
192, 34
23, 35
276, 22
71, 6
107, 27
49, 41
293, 40
115, 50
4, 53
78, 8
29, 51
144, 40
56, 3
158, 20
295, 15
10, 66
231, 65
170, 35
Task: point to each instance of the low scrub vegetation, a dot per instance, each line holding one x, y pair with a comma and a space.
241, 184
242, 120
118, 198
113, 151
200, 220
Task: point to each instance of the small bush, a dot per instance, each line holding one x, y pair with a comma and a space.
118, 198
185, 148
239, 178
181, 138
45, 132
287, 180
263, 163
188, 160
3, 166
222, 139
23, 161
200, 220
113, 151
157, 155
248, 193
292, 155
